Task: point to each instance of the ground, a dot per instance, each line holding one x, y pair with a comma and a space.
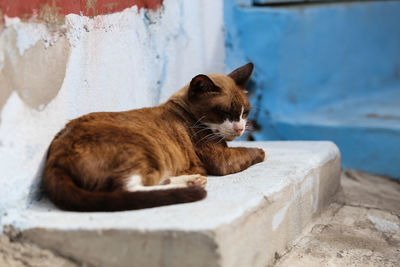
360, 228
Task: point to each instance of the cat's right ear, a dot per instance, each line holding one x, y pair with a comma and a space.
201, 85
241, 75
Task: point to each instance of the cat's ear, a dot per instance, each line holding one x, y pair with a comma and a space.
201, 85
241, 75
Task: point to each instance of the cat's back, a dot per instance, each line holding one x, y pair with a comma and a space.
98, 122
152, 125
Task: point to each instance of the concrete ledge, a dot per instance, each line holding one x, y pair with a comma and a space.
246, 218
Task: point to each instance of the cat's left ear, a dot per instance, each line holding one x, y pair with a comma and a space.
201, 85
241, 75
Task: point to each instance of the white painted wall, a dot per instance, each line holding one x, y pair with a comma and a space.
117, 62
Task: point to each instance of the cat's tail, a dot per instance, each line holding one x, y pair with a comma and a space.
62, 191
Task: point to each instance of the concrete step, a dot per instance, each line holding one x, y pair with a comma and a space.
369, 125
246, 218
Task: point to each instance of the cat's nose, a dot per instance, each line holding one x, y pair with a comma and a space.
238, 128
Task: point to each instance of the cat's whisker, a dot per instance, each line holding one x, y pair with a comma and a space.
213, 136
207, 141
218, 136
208, 135
198, 121
213, 139
222, 138
201, 130
198, 127
202, 117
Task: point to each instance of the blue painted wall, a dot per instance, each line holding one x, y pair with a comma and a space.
324, 71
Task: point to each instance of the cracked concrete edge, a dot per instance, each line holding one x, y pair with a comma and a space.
252, 240
129, 247
336, 203
316, 225
15, 252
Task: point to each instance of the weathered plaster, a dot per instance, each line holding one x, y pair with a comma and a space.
33, 62
125, 60
37, 73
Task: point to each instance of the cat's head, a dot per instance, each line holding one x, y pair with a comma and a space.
219, 101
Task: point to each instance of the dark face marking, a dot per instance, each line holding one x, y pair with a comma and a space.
220, 101
219, 108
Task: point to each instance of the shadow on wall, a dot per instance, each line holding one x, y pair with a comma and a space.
35, 190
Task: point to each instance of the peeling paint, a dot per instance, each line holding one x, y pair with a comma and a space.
50, 14
54, 11
33, 63
28, 34
91, 7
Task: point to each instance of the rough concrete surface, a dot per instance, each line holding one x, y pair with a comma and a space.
246, 218
359, 229
362, 228
24, 254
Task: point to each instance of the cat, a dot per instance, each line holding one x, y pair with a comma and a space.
149, 157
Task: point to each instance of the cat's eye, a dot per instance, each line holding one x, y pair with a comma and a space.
222, 112
246, 113
225, 113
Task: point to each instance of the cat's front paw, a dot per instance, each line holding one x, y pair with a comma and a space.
190, 180
257, 154
199, 180
265, 154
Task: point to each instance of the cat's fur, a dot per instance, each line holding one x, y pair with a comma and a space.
108, 161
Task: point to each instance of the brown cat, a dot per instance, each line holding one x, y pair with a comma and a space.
111, 161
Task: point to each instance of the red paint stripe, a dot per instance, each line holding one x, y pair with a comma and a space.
29, 8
